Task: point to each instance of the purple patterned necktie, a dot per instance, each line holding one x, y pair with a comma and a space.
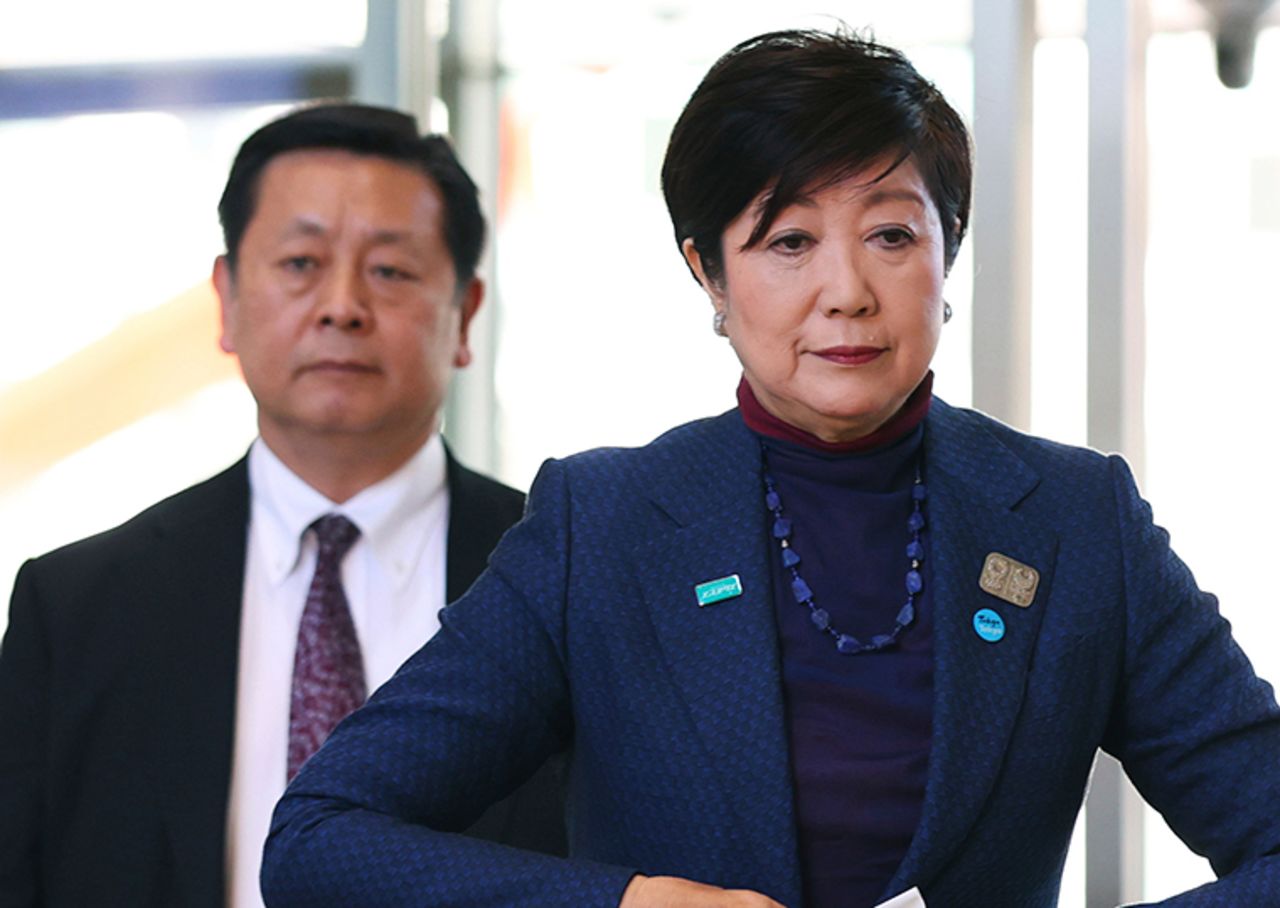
328, 672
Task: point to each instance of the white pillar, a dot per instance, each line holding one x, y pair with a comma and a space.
469, 86
1003, 45
415, 50
1116, 35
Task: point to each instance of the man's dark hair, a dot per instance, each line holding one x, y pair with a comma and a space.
792, 112
361, 129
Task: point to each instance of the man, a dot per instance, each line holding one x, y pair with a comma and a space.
161, 681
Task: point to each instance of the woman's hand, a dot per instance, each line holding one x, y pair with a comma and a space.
674, 892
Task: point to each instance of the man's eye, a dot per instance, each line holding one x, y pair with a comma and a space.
299, 263
391, 273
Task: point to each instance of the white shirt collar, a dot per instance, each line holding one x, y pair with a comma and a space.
391, 514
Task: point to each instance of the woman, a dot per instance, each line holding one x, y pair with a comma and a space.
840, 642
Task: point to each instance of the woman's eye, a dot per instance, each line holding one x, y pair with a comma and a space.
791, 243
894, 237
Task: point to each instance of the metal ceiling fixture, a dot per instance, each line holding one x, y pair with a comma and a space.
1236, 25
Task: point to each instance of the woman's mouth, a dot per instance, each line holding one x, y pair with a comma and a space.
850, 356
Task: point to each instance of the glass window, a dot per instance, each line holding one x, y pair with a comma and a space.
108, 219
107, 216
108, 228
1212, 321
68, 32
1059, 249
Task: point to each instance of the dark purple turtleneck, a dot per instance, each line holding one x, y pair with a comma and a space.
859, 726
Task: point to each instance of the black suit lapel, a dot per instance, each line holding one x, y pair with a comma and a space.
194, 585
480, 511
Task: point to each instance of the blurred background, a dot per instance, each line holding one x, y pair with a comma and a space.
1119, 288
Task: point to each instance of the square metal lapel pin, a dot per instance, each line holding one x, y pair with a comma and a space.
718, 590
1009, 579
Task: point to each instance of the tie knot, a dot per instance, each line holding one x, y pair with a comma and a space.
336, 534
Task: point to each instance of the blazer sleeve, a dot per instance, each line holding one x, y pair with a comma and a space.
373, 818
24, 685
1197, 731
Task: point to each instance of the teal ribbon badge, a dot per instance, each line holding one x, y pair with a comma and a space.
714, 591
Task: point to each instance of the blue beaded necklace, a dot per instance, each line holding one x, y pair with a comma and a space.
847, 643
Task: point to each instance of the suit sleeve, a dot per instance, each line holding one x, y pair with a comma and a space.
24, 683
373, 818
1197, 731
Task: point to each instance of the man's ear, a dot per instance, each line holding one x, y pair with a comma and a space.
469, 301
224, 282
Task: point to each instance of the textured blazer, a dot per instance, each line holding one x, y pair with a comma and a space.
585, 632
117, 700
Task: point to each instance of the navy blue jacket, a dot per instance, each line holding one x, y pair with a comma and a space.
585, 632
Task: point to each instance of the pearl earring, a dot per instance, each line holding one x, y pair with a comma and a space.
717, 323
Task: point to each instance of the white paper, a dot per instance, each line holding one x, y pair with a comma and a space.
909, 899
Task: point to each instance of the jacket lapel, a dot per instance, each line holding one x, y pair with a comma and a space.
723, 656
974, 485
480, 511
197, 588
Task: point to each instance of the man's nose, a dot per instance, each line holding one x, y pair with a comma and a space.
344, 300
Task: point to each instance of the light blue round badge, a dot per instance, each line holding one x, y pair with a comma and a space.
989, 625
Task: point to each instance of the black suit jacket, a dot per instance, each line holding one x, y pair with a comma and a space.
117, 700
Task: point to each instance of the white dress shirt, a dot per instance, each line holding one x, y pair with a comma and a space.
394, 578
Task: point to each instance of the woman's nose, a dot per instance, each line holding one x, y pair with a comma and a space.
846, 290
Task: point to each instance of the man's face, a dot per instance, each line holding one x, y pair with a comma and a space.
344, 307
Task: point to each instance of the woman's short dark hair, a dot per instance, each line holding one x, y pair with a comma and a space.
794, 111
361, 129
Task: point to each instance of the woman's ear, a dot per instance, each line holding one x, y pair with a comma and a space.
694, 260
946, 266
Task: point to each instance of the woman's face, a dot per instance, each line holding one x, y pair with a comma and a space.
835, 313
